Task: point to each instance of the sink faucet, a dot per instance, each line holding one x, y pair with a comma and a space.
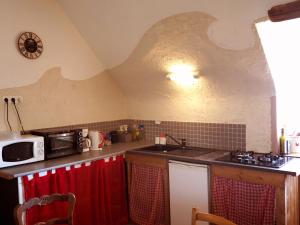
182, 143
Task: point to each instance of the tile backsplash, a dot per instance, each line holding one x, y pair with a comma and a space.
207, 135
104, 126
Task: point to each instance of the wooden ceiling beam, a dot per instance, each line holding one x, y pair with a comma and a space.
285, 11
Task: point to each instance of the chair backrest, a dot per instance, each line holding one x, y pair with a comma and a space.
206, 217
45, 200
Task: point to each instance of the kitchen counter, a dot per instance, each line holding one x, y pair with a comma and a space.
108, 151
296, 155
291, 168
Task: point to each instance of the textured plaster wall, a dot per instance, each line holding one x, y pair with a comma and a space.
235, 85
63, 45
114, 28
66, 85
56, 101
137, 41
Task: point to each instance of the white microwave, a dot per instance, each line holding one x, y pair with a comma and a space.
20, 149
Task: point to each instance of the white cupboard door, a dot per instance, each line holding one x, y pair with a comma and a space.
188, 189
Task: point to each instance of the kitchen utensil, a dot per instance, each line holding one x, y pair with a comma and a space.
97, 139
114, 136
124, 137
295, 144
85, 132
86, 144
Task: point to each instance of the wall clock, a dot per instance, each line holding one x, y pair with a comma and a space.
30, 45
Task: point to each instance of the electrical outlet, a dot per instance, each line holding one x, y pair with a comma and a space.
157, 122
18, 99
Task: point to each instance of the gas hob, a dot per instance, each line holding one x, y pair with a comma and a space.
256, 159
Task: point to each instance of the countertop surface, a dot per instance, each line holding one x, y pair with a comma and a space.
108, 151
291, 168
296, 155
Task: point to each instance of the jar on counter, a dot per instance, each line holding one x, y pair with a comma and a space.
294, 144
162, 139
141, 135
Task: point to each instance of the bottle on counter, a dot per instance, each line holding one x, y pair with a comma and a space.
162, 139
282, 142
157, 140
141, 132
134, 132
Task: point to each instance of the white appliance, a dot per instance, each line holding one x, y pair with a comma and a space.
188, 189
20, 149
86, 143
97, 139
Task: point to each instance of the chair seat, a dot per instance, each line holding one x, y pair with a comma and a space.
197, 215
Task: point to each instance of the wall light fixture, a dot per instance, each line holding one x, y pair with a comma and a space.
183, 74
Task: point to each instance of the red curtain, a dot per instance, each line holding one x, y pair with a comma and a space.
100, 190
242, 202
147, 197
37, 187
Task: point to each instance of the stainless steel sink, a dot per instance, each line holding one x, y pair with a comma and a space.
176, 150
160, 148
189, 152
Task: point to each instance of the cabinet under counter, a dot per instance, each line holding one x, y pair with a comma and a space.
148, 189
286, 189
283, 181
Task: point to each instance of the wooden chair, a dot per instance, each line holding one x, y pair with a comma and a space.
206, 217
45, 200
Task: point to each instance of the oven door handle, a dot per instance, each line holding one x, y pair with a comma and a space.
61, 135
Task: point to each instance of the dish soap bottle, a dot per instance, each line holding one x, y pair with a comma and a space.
282, 142
162, 139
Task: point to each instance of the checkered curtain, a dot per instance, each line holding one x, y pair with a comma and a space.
147, 202
243, 203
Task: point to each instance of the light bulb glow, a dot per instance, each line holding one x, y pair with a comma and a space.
183, 74
181, 68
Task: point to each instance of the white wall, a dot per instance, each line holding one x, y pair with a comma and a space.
66, 85
63, 45
114, 28
234, 86
131, 37
136, 40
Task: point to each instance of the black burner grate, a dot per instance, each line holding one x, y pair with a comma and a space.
256, 159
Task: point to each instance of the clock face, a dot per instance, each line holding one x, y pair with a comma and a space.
30, 45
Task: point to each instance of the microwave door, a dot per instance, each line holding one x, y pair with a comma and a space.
62, 141
16, 152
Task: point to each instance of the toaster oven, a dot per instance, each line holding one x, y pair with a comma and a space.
61, 143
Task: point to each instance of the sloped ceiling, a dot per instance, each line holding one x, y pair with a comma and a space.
113, 28
138, 40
